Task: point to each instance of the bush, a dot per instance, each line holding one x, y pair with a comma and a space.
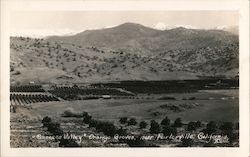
69, 112
123, 120
154, 127
165, 121
178, 122
143, 125
132, 121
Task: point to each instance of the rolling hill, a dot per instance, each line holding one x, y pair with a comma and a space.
126, 52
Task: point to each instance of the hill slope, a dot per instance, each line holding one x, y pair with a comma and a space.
126, 52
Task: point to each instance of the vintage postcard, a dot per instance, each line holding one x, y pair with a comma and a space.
156, 77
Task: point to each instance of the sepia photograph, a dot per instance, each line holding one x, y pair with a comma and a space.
124, 79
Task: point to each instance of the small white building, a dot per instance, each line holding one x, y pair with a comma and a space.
32, 82
106, 96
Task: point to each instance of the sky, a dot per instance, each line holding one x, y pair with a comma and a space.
44, 23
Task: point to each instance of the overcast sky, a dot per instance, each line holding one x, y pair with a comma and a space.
43, 23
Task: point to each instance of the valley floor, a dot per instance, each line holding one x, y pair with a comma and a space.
205, 106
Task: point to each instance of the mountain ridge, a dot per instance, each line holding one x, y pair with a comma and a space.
126, 52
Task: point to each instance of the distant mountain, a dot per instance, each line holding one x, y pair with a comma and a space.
135, 38
116, 37
126, 52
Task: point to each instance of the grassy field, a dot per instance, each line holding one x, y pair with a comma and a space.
207, 106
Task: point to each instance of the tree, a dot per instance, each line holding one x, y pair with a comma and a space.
167, 130
178, 122
93, 123
154, 127
123, 120
132, 121
165, 121
198, 124
87, 119
211, 127
84, 114
143, 125
54, 128
191, 126
121, 131
107, 128
46, 120
227, 126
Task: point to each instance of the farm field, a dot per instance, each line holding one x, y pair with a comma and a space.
205, 106
204, 110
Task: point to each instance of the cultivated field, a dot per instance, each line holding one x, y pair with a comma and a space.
204, 106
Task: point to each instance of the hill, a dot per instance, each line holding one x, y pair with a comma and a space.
126, 52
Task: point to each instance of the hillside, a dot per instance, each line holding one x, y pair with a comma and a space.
126, 52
